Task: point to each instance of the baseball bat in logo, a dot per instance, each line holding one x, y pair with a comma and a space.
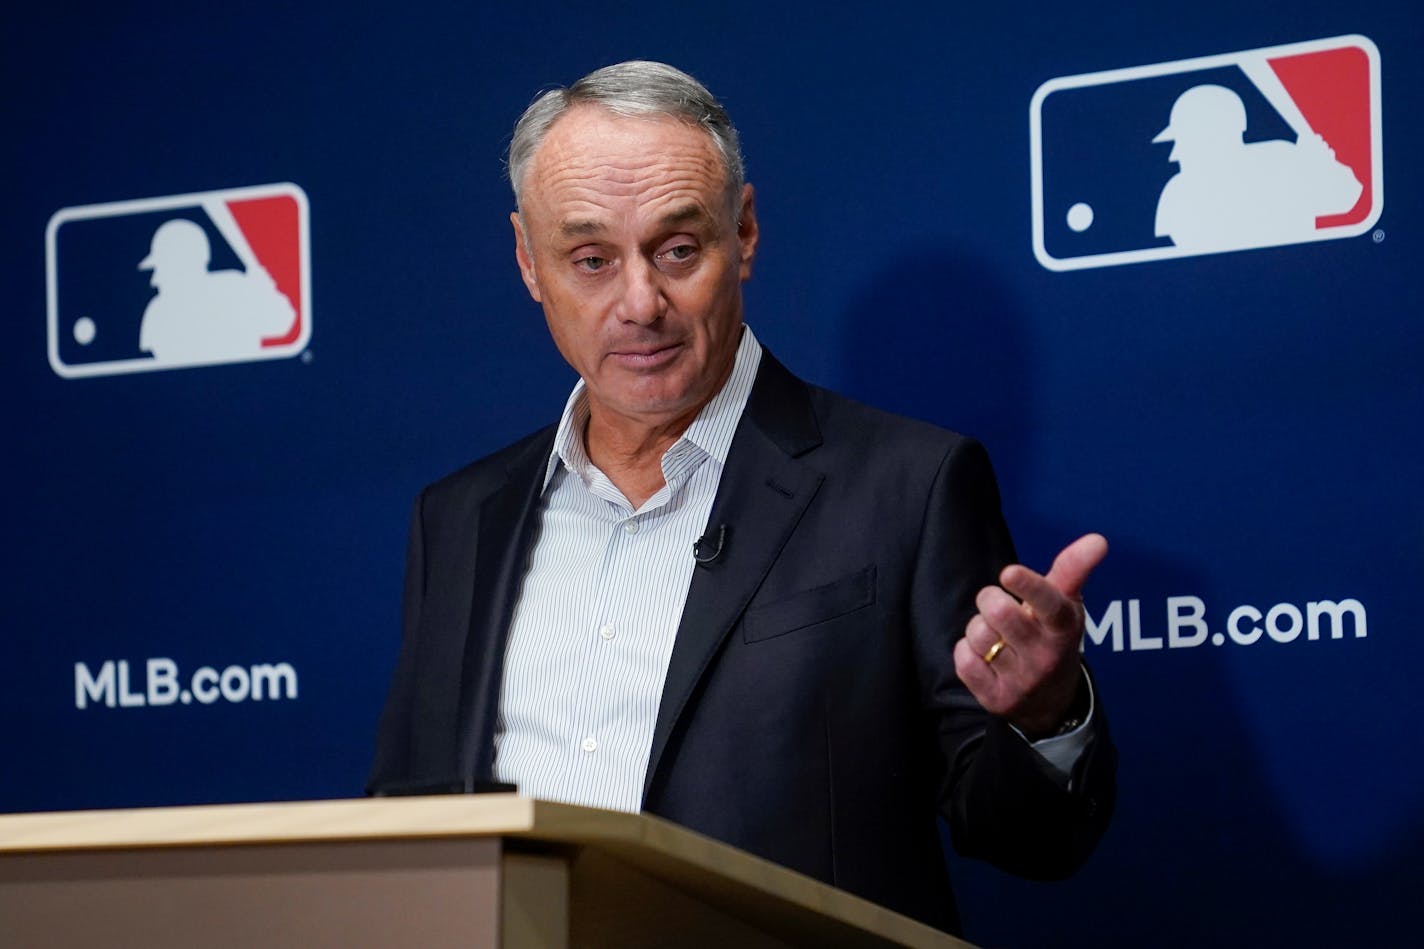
1259, 148
185, 280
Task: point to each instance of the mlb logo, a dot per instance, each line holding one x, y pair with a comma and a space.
1261, 148
185, 280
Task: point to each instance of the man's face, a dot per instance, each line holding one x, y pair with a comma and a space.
629, 239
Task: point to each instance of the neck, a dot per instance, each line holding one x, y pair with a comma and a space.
630, 453
629, 449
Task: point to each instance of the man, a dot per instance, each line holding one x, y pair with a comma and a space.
721, 595
1230, 194
201, 315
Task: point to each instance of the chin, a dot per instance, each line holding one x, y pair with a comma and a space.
658, 395
665, 404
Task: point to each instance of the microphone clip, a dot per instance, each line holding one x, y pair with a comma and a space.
708, 549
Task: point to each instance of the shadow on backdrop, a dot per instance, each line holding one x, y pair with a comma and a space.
1199, 853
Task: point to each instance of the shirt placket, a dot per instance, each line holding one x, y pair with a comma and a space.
628, 630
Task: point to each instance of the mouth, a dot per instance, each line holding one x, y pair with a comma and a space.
643, 358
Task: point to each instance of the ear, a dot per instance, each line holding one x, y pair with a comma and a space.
747, 231
522, 255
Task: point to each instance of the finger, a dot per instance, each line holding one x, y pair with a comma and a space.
1067, 576
1005, 617
978, 676
980, 638
1075, 562
1044, 605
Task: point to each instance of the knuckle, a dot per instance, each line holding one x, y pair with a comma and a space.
1002, 611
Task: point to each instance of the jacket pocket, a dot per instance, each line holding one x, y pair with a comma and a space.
810, 607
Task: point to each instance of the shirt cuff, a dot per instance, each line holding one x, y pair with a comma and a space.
1063, 751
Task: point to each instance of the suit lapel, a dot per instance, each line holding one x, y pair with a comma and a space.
508, 524
763, 492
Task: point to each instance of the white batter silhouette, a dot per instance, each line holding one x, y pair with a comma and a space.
1229, 195
201, 315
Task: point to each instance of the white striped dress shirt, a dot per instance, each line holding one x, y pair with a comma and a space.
602, 599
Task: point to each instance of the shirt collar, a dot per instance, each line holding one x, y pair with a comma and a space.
711, 430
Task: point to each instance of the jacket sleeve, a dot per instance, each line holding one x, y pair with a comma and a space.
391, 766
1004, 803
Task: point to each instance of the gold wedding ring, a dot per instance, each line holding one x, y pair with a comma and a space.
994, 651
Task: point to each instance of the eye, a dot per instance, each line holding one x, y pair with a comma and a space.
591, 264
678, 253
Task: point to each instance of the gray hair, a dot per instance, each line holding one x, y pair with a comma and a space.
631, 89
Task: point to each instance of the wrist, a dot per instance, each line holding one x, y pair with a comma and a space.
1072, 717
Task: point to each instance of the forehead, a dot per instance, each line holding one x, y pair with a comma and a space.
593, 160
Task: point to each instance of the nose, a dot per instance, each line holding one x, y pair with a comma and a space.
642, 299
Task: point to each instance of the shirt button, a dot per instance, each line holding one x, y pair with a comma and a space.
631, 526
590, 745
607, 631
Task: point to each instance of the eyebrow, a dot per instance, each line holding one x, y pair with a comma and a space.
589, 227
581, 227
687, 214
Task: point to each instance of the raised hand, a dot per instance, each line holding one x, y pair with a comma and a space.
1020, 653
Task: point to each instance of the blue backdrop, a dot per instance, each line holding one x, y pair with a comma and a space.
1244, 426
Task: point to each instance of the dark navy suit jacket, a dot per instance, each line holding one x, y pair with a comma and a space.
811, 713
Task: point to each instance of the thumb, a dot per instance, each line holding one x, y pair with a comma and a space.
1075, 562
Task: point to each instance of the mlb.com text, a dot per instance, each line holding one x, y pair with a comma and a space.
1119, 625
113, 686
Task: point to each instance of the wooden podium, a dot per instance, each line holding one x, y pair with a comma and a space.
491, 870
